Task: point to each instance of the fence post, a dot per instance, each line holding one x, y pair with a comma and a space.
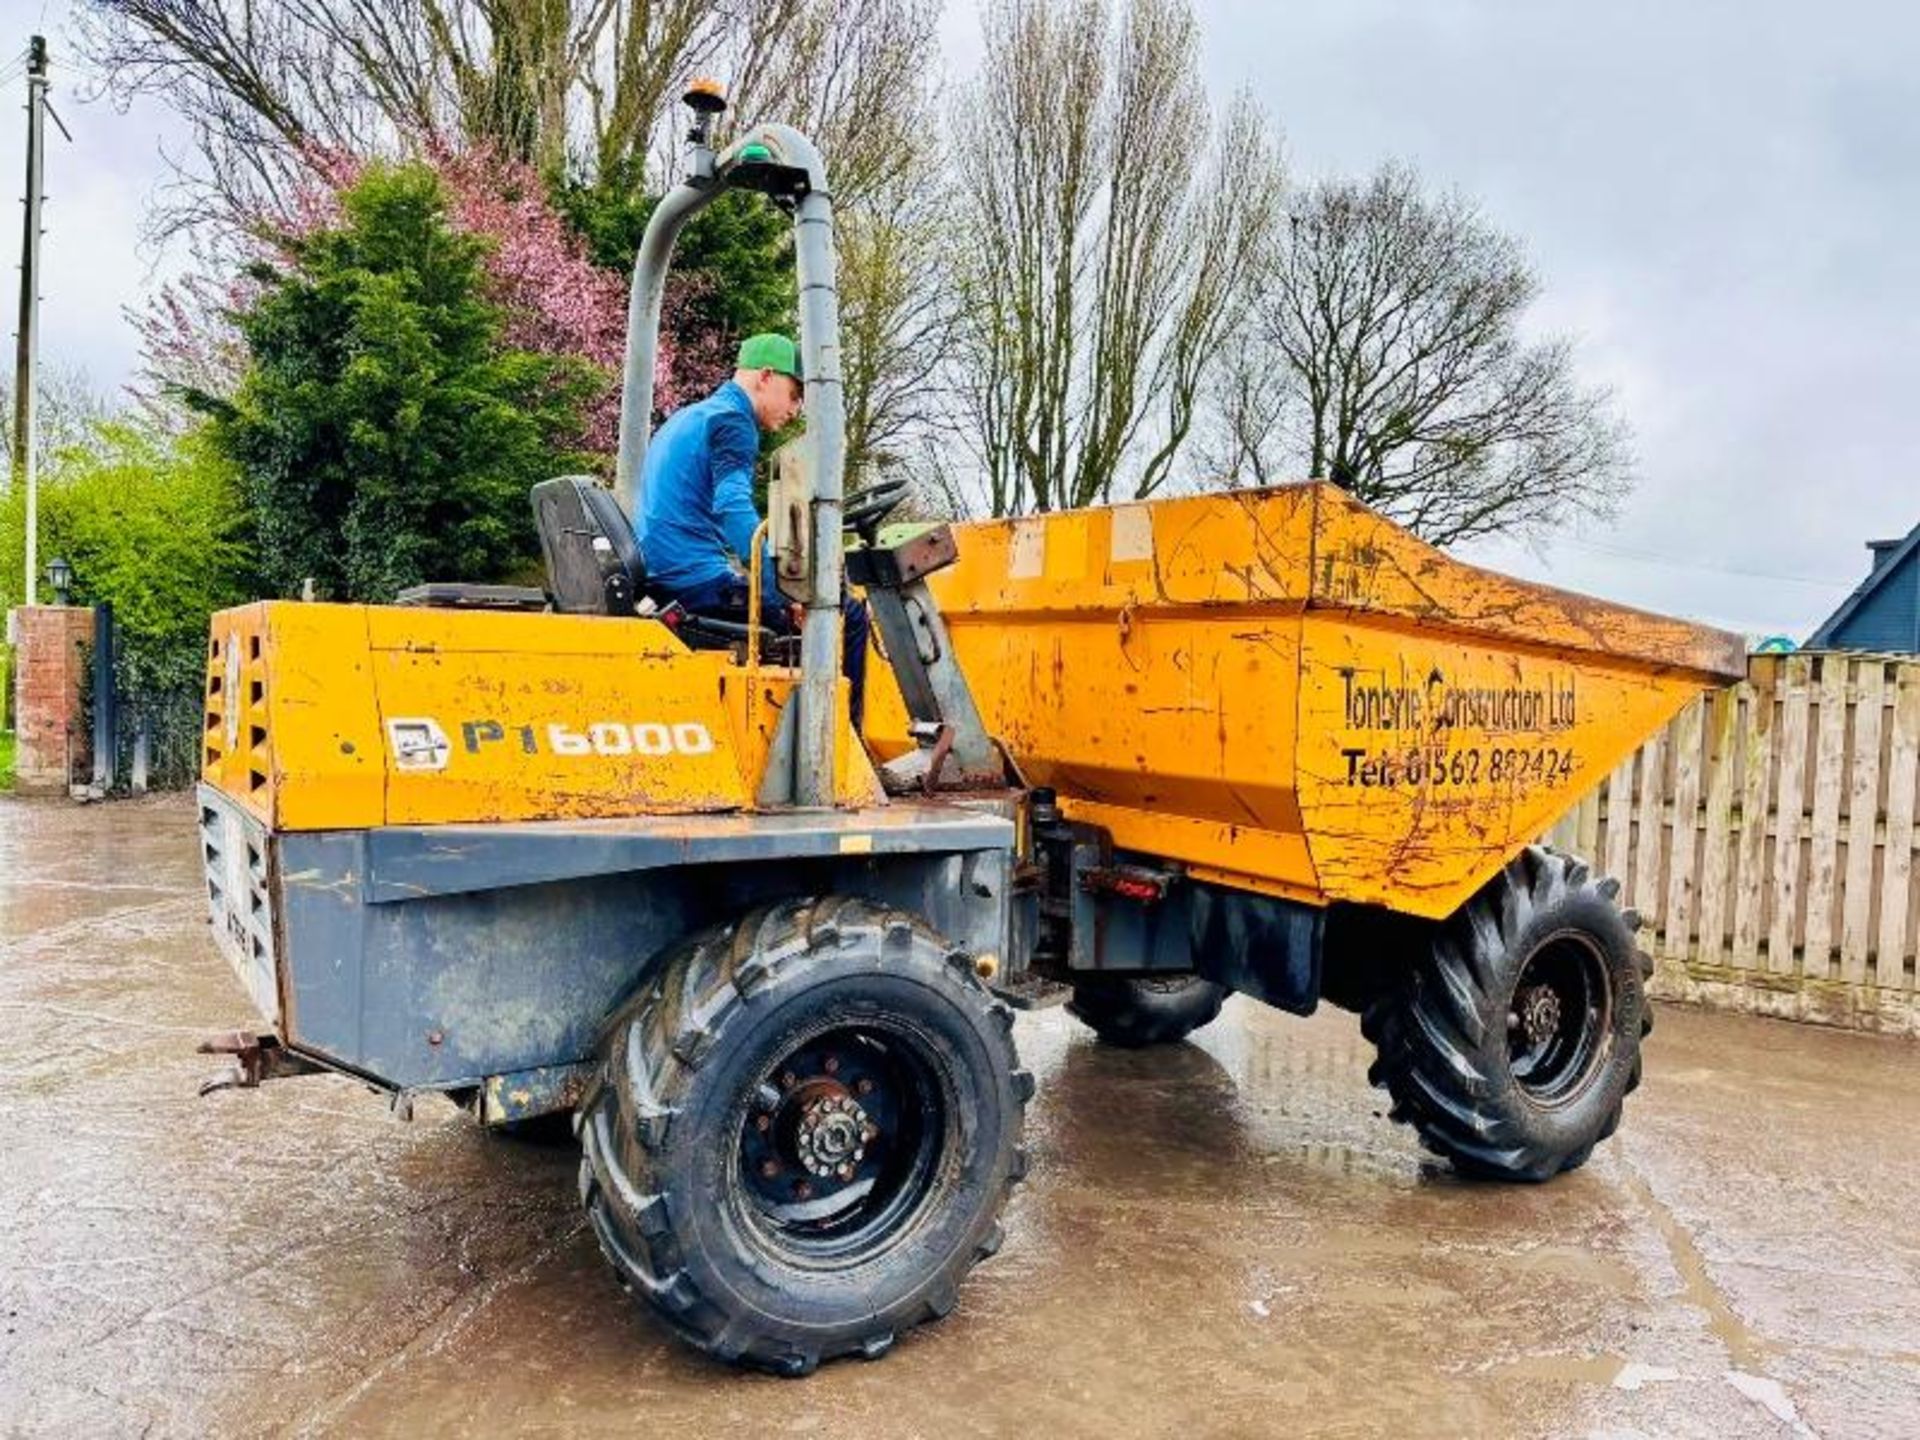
105, 721
142, 752
1896, 874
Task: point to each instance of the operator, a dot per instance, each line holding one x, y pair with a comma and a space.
697, 507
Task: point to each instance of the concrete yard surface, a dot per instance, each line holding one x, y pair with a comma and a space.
1219, 1238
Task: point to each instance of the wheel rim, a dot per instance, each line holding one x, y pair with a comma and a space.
1559, 1022
840, 1144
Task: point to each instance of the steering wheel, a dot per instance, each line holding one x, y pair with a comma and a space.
864, 514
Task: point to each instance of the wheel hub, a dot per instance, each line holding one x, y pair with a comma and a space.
1539, 1014
831, 1132
1559, 1018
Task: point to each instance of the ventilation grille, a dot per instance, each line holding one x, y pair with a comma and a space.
235, 739
234, 854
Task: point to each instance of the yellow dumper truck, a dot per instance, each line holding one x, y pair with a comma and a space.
567, 851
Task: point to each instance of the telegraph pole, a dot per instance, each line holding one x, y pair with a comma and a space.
29, 335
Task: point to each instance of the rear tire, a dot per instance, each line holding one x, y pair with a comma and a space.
1513, 1042
1154, 1010
805, 1127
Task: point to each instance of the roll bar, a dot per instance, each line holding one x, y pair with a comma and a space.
783, 164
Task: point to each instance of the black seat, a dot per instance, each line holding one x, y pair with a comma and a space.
594, 566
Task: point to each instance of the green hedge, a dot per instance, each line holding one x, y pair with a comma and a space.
153, 524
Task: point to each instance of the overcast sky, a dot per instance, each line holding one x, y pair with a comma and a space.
1721, 199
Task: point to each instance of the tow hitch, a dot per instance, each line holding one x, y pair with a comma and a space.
254, 1058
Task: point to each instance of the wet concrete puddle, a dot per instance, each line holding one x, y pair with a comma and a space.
1219, 1238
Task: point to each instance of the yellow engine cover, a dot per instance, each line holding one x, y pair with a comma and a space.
1288, 693
327, 717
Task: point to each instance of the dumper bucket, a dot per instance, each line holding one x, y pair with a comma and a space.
1287, 693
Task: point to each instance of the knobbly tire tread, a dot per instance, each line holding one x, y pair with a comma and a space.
1124, 1011
1440, 1033
654, 1049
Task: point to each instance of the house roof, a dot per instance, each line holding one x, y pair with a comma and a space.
1884, 565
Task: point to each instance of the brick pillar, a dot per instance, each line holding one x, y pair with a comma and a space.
50, 664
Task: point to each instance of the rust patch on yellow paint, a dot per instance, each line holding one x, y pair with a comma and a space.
1297, 697
326, 717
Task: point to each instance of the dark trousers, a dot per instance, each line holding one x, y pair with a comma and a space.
727, 600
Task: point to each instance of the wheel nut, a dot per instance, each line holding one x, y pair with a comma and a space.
845, 1172
803, 1191
864, 1086
786, 1080
769, 1168
833, 1065
763, 1123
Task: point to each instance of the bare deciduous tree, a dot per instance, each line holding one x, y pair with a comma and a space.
896, 319
1102, 248
67, 409
583, 85
555, 82
1388, 356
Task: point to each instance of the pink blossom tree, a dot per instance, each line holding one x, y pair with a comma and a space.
554, 300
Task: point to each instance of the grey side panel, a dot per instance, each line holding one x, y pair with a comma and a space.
448, 989
411, 862
320, 897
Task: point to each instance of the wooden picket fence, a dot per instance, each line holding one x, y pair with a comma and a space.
1767, 837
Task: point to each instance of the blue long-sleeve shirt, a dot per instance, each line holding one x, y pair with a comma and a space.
698, 494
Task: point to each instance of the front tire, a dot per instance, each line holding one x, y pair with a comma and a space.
1516, 1038
804, 1130
1151, 1010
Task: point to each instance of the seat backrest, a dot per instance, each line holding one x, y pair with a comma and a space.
593, 557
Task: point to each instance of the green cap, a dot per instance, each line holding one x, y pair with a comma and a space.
770, 352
